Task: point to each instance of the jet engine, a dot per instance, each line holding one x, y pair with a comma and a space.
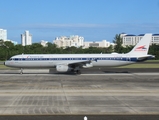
87, 65
63, 68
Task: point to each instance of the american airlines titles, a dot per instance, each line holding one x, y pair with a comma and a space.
34, 56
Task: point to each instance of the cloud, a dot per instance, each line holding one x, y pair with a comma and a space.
50, 26
87, 26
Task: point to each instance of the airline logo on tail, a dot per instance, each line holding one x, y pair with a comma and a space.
141, 48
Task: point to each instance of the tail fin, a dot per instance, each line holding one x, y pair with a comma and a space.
142, 46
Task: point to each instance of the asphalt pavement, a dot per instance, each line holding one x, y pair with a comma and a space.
99, 94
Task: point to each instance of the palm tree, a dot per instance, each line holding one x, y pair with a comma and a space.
118, 43
2, 43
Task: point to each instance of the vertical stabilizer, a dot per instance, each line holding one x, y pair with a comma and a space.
142, 46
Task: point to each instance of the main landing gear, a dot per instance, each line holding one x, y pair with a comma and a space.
78, 72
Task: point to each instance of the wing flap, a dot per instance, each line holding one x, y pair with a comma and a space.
75, 63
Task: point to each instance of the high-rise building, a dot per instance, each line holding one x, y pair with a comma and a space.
26, 38
3, 34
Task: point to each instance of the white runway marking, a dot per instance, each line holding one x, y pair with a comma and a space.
107, 74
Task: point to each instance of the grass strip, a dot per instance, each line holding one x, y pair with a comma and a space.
141, 66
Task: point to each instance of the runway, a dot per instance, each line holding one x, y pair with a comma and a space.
85, 94
94, 70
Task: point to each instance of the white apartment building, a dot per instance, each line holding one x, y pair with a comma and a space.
129, 39
155, 39
74, 40
26, 38
103, 44
3, 34
44, 43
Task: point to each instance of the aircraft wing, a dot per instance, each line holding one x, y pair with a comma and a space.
81, 64
76, 63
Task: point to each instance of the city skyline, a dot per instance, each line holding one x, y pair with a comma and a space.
94, 20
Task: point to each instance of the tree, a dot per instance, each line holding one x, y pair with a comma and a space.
127, 49
8, 49
18, 49
109, 49
1, 42
9, 44
6, 46
36, 48
118, 43
154, 50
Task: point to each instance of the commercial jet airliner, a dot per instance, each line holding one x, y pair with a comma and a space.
74, 62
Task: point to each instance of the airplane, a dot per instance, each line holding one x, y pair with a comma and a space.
74, 62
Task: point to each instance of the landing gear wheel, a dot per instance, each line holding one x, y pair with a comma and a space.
21, 71
78, 72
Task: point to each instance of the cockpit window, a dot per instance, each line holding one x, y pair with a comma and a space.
10, 59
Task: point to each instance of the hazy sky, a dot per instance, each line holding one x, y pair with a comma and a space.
95, 20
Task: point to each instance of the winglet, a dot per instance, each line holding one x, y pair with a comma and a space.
142, 46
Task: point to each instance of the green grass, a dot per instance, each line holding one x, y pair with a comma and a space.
140, 66
5, 67
152, 61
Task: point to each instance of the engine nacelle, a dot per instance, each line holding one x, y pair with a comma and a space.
63, 68
87, 65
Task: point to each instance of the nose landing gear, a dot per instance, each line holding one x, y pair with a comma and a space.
21, 71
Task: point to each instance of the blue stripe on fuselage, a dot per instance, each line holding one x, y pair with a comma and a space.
133, 59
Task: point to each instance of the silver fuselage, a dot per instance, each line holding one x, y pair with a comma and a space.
51, 60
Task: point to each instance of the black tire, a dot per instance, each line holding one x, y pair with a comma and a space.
78, 72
